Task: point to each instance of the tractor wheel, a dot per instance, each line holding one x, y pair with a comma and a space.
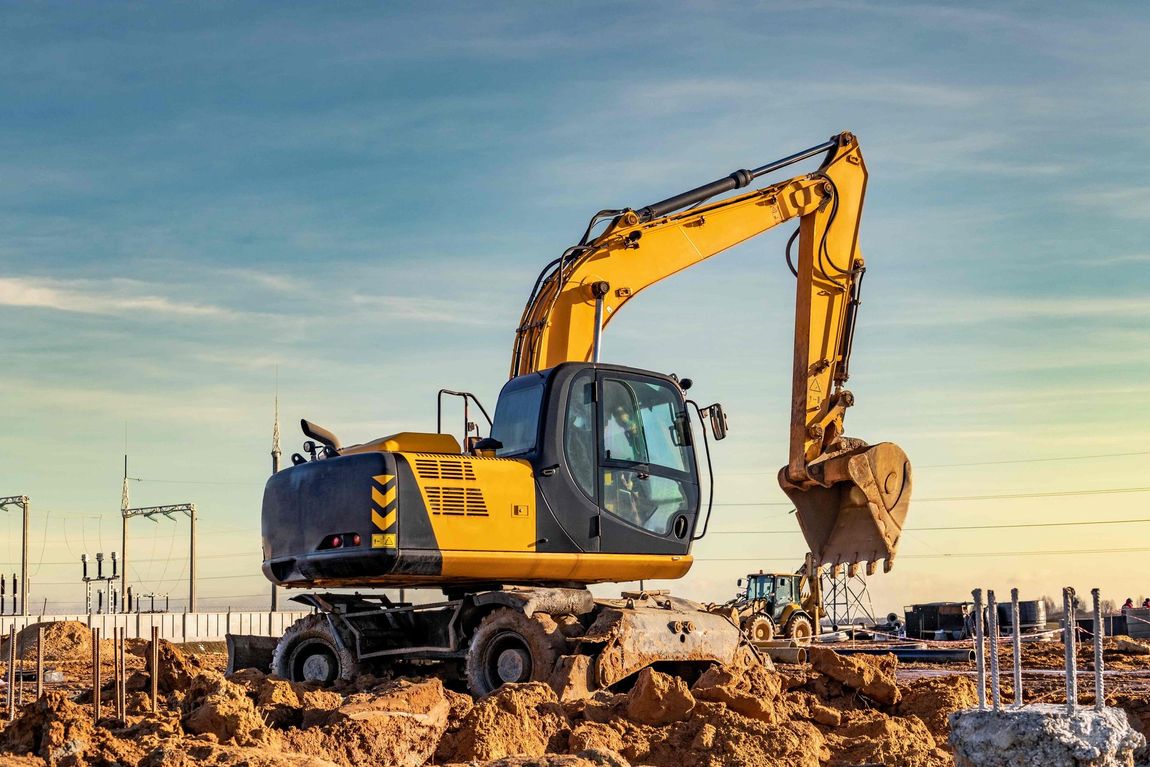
311, 652
800, 629
760, 628
509, 647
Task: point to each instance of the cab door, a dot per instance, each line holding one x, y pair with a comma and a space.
646, 480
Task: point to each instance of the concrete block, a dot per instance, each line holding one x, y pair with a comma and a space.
1043, 736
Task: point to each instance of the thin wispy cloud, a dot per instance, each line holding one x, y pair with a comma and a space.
1132, 201
422, 309
971, 309
108, 297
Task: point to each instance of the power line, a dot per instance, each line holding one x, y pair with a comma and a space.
1091, 456
1035, 460
955, 527
959, 555
994, 497
190, 482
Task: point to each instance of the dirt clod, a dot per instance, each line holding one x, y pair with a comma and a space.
872, 675
658, 698
516, 720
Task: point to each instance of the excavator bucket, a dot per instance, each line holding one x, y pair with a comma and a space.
854, 509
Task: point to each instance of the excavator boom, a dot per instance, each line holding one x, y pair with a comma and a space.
851, 498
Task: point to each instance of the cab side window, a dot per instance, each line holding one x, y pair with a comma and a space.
579, 432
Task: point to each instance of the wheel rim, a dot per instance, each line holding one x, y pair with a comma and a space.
314, 661
507, 659
802, 630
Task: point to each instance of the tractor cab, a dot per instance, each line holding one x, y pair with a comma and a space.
772, 592
772, 604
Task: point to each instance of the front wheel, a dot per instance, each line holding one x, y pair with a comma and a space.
310, 651
760, 628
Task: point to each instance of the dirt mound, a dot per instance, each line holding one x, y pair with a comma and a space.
177, 668
284, 704
516, 720
871, 737
659, 699
222, 709
715, 736
752, 692
1116, 655
934, 700
872, 675
590, 758
63, 640
400, 726
194, 753
52, 728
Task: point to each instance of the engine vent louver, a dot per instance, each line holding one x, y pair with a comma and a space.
457, 501
437, 468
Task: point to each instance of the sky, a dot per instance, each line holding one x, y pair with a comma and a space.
202, 205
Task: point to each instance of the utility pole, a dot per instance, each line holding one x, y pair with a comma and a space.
276, 453
23, 502
150, 512
124, 530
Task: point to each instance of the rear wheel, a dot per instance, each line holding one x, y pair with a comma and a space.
760, 628
509, 647
800, 628
310, 652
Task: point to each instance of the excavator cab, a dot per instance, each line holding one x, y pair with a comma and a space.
613, 455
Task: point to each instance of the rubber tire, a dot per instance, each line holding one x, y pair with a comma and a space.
506, 628
313, 631
800, 628
759, 628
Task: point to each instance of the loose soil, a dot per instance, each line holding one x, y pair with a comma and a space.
834, 712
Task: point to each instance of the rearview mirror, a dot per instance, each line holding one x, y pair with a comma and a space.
740, 582
718, 421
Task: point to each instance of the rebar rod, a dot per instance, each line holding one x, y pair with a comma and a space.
12, 672
1016, 646
154, 651
1069, 638
39, 661
1099, 632
992, 635
96, 674
979, 649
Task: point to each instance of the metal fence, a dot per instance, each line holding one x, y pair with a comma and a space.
175, 627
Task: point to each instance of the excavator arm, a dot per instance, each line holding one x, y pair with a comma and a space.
851, 498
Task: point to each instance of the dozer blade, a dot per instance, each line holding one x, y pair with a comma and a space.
855, 506
247, 651
634, 633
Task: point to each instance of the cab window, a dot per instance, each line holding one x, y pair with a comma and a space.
579, 432
516, 422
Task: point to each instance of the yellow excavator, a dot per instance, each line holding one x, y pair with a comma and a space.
590, 472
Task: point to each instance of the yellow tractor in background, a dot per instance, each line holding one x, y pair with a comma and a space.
778, 606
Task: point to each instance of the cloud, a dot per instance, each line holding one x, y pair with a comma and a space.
1124, 202
111, 297
277, 282
979, 309
424, 309
1131, 258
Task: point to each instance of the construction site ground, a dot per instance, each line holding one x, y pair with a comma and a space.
836, 710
